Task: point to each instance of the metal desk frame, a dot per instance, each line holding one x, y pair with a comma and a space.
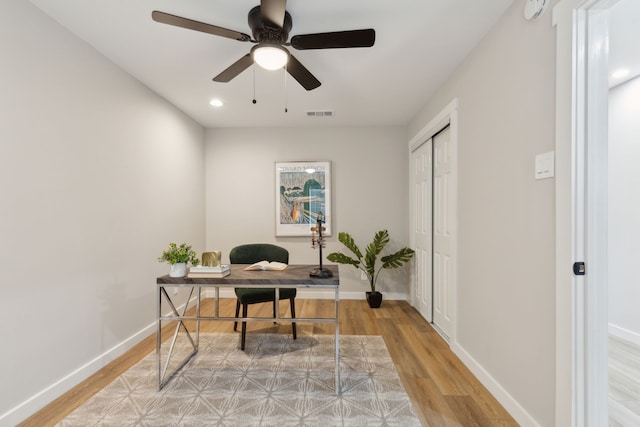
294, 276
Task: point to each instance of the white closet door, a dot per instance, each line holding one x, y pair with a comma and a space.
443, 233
421, 181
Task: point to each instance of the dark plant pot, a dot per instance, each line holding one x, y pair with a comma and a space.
374, 299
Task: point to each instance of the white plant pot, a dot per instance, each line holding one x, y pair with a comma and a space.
179, 269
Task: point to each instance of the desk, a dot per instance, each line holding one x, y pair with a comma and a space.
294, 276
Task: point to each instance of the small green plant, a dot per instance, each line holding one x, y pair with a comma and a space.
367, 263
182, 253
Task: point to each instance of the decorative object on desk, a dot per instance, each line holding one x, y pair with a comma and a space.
207, 269
317, 240
212, 259
202, 272
208, 275
303, 190
178, 257
367, 263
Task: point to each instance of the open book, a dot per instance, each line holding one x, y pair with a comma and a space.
266, 265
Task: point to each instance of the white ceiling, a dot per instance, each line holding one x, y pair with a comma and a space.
418, 44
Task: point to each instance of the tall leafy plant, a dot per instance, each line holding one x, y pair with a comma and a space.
368, 263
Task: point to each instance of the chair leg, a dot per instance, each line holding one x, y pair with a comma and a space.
235, 324
293, 316
244, 327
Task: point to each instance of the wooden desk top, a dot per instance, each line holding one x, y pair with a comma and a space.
292, 275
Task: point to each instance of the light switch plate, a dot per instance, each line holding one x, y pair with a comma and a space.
545, 165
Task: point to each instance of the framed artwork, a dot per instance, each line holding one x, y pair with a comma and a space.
303, 190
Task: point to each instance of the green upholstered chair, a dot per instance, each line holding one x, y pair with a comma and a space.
252, 253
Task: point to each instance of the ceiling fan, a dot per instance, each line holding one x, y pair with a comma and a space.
270, 24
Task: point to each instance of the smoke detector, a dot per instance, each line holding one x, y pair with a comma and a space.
533, 9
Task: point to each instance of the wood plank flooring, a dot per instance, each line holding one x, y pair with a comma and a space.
443, 391
624, 383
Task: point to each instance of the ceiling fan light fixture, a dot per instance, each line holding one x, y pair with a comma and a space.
270, 56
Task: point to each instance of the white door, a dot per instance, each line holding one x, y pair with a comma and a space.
421, 184
433, 186
443, 233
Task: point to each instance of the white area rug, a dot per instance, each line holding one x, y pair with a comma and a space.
276, 382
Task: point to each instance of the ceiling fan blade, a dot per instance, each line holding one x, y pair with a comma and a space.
236, 68
178, 21
272, 12
335, 40
301, 74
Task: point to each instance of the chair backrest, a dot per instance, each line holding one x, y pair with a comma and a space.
256, 252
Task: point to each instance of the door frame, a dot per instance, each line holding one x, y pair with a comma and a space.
448, 116
581, 147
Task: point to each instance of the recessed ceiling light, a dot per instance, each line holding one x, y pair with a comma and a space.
618, 74
216, 103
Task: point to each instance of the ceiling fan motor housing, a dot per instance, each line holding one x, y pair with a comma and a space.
264, 32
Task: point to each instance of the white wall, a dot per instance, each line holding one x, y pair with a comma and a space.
370, 191
97, 175
506, 288
624, 210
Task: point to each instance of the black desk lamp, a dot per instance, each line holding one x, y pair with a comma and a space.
317, 240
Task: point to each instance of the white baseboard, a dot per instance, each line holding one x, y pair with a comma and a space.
624, 334
57, 389
512, 406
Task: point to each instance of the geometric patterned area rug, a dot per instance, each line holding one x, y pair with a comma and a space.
276, 381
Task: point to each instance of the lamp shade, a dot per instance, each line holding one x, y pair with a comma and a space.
270, 56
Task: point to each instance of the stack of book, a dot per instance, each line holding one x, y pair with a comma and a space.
206, 272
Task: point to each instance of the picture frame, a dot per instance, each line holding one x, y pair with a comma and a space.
302, 190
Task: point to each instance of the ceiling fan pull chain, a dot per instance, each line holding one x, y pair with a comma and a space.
286, 98
254, 86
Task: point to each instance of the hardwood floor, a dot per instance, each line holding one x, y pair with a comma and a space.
442, 389
624, 383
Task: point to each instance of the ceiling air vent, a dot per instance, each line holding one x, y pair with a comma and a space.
320, 113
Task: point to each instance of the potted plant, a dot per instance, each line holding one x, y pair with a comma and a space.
178, 257
367, 263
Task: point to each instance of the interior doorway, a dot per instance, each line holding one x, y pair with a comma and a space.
623, 201
583, 191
